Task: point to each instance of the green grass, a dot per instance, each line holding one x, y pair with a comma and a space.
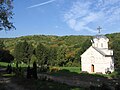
4, 64
66, 71
8, 75
71, 69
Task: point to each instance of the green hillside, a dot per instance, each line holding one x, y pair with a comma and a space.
60, 50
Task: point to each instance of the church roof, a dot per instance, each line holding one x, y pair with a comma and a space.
104, 52
100, 36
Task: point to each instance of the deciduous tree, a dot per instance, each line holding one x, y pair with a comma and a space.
41, 54
23, 52
6, 14
116, 48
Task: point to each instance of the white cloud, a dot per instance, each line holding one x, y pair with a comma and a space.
41, 4
72, 23
99, 12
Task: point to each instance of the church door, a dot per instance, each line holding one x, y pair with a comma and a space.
92, 68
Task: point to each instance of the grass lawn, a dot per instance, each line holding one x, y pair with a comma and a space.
4, 64
66, 71
71, 69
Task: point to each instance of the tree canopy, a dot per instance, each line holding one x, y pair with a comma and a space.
6, 14
23, 52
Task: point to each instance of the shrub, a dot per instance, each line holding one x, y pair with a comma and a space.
114, 74
9, 69
54, 69
108, 72
84, 72
43, 69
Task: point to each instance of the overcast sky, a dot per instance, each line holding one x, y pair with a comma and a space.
64, 17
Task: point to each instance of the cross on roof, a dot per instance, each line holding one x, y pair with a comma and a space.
99, 29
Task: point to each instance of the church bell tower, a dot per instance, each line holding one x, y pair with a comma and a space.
100, 41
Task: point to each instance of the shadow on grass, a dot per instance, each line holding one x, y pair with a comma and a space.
65, 72
96, 81
33, 84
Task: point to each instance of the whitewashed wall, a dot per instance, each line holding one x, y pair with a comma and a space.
100, 62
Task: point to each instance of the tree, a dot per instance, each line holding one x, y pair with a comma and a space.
41, 54
85, 46
18, 52
29, 52
6, 14
35, 70
52, 56
61, 56
1, 45
116, 49
5, 56
23, 52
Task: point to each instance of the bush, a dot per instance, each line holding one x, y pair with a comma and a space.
32, 72
114, 74
19, 72
108, 72
43, 69
9, 69
84, 72
69, 64
54, 69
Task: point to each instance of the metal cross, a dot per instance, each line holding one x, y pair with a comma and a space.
99, 29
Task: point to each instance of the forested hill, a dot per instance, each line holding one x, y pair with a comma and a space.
71, 42
69, 48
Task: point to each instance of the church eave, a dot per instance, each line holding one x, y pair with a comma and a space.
100, 51
108, 55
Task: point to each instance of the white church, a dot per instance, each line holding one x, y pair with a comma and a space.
98, 58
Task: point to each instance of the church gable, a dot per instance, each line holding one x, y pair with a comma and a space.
91, 52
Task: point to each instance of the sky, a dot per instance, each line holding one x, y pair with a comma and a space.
64, 17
